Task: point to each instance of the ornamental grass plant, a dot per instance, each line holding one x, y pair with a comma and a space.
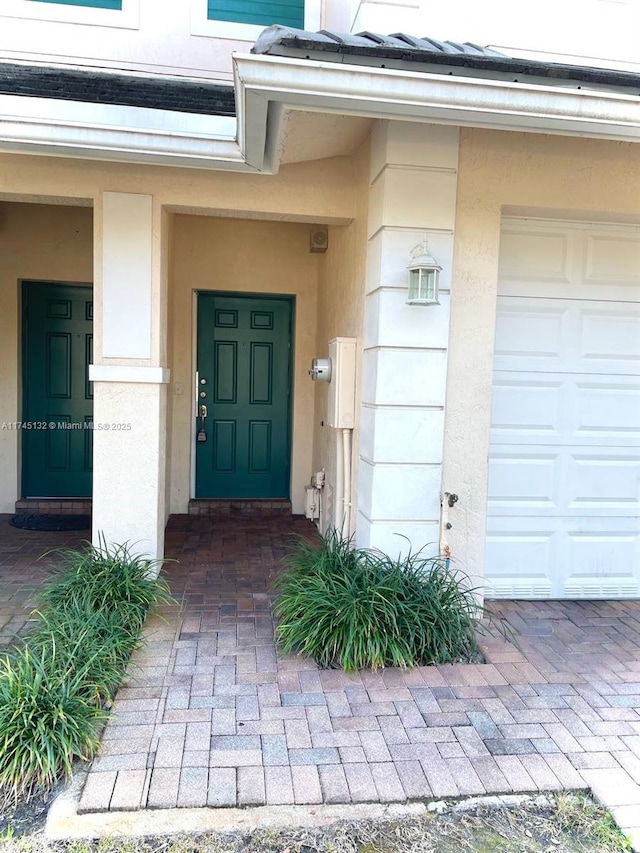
55, 688
360, 608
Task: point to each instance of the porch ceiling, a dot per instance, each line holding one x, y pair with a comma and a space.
315, 136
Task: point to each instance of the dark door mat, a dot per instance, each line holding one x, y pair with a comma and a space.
30, 521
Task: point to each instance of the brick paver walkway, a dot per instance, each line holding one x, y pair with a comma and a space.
211, 716
22, 572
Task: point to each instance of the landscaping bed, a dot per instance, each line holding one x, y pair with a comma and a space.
57, 684
357, 608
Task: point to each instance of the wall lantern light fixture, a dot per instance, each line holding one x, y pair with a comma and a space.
424, 273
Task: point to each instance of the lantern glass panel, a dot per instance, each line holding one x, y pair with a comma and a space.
414, 284
428, 285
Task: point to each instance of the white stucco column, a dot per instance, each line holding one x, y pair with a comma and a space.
412, 196
129, 373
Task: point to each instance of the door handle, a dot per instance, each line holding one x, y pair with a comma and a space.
202, 432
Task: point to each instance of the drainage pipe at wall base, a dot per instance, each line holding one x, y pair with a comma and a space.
338, 504
346, 497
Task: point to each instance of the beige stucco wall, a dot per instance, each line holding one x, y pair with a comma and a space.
56, 243
37, 242
341, 288
244, 256
319, 191
509, 173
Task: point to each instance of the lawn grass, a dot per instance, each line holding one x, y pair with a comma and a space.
563, 823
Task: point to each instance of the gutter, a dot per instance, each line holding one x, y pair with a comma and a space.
268, 87
264, 83
113, 116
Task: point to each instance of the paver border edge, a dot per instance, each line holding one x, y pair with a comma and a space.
65, 823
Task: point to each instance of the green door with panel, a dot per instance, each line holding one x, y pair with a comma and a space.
244, 370
57, 408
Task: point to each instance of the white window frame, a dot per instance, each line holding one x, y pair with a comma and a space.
127, 18
203, 26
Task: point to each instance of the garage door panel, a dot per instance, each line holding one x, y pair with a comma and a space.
607, 412
534, 255
565, 408
609, 336
563, 510
525, 407
572, 262
564, 481
567, 335
612, 259
509, 577
598, 483
601, 563
531, 334
520, 482
567, 558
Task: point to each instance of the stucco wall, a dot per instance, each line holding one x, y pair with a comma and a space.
244, 256
318, 191
340, 314
56, 243
38, 242
509, 173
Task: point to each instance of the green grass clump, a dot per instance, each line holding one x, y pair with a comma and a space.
54, 689
359, 608
47, 718
107, 578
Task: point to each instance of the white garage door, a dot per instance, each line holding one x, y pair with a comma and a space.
564, 466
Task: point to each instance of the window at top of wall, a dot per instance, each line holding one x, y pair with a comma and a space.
98, 4
289, 13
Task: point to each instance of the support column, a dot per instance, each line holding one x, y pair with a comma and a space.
129, 373
412, 196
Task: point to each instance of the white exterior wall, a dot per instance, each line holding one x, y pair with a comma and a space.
160, 36
590, 32
153, 36
129, 375
412, 196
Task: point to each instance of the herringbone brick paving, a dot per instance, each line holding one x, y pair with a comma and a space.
211, 715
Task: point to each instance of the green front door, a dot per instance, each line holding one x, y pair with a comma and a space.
244, 368
57, 409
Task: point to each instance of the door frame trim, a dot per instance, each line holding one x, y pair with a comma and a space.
249, 294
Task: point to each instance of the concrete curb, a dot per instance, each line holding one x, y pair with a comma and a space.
64, 822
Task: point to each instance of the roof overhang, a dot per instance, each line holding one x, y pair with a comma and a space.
267, 87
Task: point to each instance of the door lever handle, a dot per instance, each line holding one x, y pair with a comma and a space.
202, 433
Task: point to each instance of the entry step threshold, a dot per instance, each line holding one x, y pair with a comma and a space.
54, 506
236, 509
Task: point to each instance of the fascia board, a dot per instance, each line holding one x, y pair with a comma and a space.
477, 102
129, 134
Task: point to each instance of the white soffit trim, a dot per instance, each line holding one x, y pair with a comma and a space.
267, 87
128, 373
265, 83
113, 132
